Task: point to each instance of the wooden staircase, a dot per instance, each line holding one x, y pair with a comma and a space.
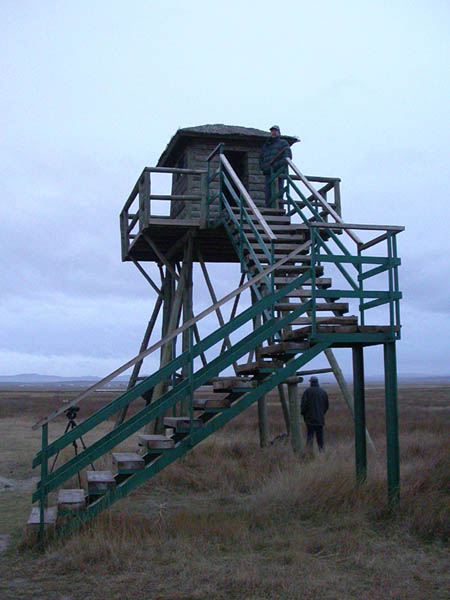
289, 285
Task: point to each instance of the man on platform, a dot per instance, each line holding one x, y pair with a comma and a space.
314, 406
272, 158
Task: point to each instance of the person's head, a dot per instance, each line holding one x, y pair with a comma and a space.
274, 131
313, 380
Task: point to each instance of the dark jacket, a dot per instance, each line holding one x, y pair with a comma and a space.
273, 147
314, 405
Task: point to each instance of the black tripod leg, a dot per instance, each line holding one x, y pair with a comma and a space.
57, 454
84, 448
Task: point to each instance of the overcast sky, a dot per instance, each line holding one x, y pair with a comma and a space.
91, 92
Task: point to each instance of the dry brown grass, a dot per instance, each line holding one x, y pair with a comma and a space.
233, 521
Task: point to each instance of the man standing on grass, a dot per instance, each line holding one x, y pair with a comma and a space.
314, 406
273, 157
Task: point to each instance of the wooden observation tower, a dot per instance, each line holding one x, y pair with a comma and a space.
302, 271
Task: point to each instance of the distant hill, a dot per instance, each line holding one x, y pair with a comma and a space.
37, 378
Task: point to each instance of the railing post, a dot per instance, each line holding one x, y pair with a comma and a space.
220, 181
241, 233
43, 483
361, 287
337, 198
396, 285
144, 199
204, 201
313, 280
272, 275
391, 284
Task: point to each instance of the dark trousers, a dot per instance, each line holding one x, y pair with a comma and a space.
277, 187
311, 430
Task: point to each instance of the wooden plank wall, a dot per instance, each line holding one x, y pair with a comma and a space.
196, 155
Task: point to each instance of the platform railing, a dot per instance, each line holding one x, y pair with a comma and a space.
137, 211
314, 211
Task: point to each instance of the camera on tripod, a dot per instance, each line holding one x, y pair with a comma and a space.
71, 412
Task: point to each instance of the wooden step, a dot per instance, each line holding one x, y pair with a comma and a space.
339, 307
321, 282
264, 211
212, 403
305, 294
349, 320
263, 258
297, 269
127, 462
271, 220
71, 500
283, 348
259, 366
50, 516
278, 228
181, 424
156, 442
227, 384
99, 482
290, 238
303, 332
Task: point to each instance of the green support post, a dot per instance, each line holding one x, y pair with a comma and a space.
43, 495
392, 442
360, 414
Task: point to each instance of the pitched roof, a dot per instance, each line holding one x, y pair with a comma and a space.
217, 130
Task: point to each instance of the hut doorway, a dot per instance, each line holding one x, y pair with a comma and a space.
239, 161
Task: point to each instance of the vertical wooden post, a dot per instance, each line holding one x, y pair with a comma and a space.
294, 409
392, 443
262, 423
144, 200
345, 390
137, 367
175, 311
360, 413
284, 407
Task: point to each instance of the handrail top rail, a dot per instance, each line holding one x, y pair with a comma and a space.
325, 225
171, 335
168, 170
247, 198
175, 170
322, 200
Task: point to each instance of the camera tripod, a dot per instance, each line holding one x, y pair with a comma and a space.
71, 413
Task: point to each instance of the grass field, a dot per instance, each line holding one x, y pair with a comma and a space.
231, 521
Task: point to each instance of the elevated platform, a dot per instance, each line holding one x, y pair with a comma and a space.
168, 235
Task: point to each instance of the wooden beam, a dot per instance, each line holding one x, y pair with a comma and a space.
159, 254
137, 367
284, 407
147, 277
213, 297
